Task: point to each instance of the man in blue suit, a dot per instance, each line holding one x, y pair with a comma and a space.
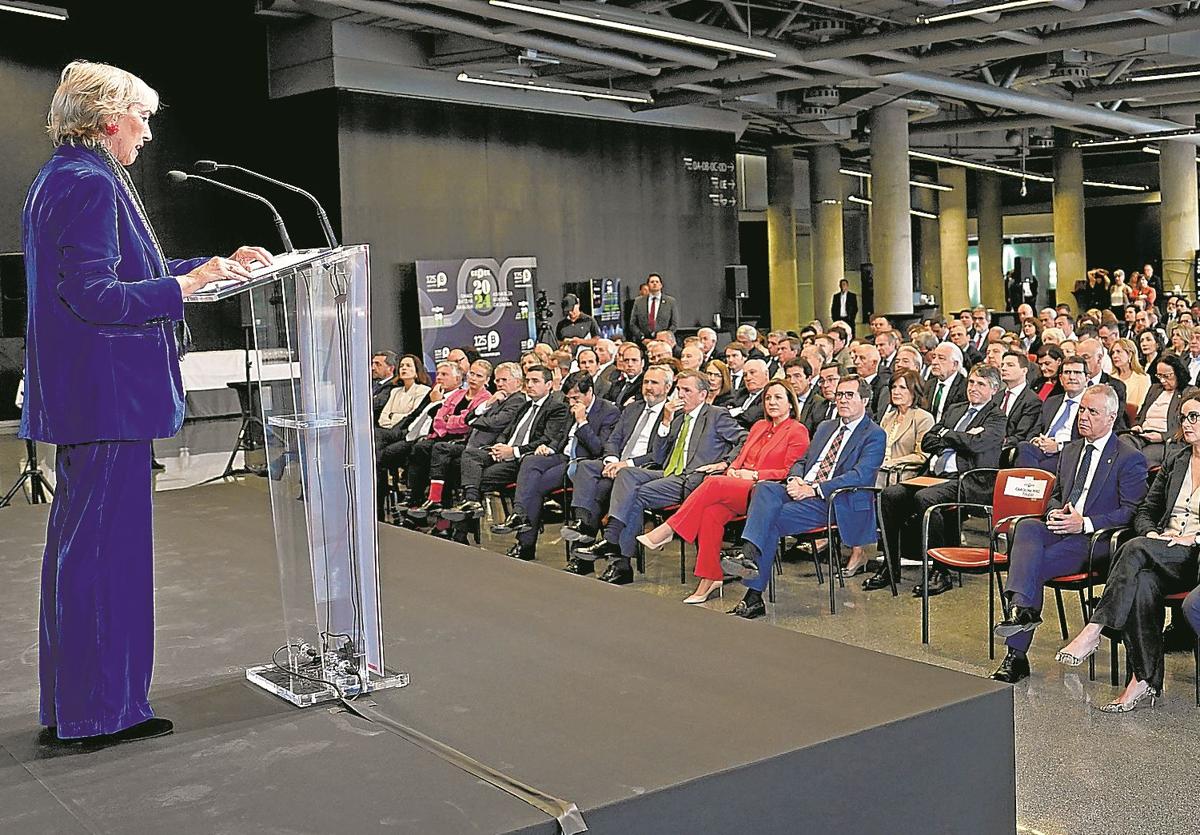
1058, 424
1101, 480
692, 439
846, 452
592, 421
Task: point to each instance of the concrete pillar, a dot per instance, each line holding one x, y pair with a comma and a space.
1070, 248
828, 246
952, 225
991, 242
804, 273
781, 239
929, 242
891, 223
1179, 214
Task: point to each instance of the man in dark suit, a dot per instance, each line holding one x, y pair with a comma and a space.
799, 375
843, 307
866, 365
606, 354
542, 422
592, 422
631, 444
383, 380
846, 452
826, 385
653, 312
1091, 351
1101, 480
627, 384
1018, 401
1057, 424
735, 360
945, 384
959, 336
747, 405
968, 437
692, 439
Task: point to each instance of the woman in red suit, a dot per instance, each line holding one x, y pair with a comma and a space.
774, 444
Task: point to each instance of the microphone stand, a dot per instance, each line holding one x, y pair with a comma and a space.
38, 485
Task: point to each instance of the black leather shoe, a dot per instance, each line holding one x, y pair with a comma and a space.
515, 523
598, 550
153, 727
939, 582
877, 581
423, 510
1021, 619
617, 575
577, 531
463, 511
521, 552
581, 567
157, 465
740, 566
749, 611
1013, 668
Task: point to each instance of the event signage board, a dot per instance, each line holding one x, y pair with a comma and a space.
479, 302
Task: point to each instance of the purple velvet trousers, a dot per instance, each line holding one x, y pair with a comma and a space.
97, 621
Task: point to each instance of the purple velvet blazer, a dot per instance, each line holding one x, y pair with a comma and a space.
101, 362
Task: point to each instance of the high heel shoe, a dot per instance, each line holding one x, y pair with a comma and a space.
1126, 707
1064, 657
714, 589
847, 573
651, 544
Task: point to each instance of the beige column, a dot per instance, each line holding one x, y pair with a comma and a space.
991, 241
952, 228
1179, 218
891, 223
828, 245
781, 239
1070, 249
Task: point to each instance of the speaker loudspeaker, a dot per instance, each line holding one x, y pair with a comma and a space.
737, 281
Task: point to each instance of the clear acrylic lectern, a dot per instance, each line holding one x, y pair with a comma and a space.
310, 310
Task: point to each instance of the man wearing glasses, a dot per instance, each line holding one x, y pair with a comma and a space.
1101, 480
1057, 426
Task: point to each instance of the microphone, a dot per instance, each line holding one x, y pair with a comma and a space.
179, 177
207, 166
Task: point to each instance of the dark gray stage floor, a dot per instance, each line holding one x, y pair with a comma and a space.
595, 694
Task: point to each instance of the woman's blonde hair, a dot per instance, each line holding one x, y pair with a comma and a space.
88, 97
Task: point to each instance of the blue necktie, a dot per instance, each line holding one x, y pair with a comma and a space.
1081, 475
1064, 418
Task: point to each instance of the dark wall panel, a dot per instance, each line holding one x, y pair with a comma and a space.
1123, 237
588, 198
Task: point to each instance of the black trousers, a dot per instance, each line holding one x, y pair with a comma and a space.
480, 474
904, 509
444, 461
540, 475
1132, 607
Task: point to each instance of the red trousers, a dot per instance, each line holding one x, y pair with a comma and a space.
702, 517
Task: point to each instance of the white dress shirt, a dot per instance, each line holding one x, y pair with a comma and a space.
642, 444
811, 475
1064, 435
664, 431
1081, 502
1012, 394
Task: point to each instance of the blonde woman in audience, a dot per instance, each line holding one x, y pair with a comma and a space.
720, 384
1053, 336
1181, 337
1128, 370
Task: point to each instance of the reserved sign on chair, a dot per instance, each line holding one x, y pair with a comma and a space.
1027, 487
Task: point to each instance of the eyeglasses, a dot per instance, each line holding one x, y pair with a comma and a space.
1170, 376
1191, 417
846, 395
1073, 371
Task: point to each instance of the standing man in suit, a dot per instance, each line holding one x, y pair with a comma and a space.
626, 386
653, 312
692, 439
1018, 401
1057, 426
1101, 480
968, 437
591, 423
383, 380
846, 452
542, 422
844, 305
945, 384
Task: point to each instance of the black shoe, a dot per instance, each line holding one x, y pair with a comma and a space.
515, 523
1021, 619
740, 566
599, 550
749, 611
521, 552
423, 510
578, 531
581, 567
1013, 668
939, 582
617, 575
878, 580
463, 511
149, 729
155, 464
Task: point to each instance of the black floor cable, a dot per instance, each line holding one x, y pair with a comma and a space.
570, 819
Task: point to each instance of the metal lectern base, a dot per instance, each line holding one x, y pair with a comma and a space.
303, 692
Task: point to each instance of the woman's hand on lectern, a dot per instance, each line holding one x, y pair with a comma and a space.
214, 269
247, 255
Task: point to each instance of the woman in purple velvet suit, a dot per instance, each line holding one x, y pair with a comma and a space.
101, 381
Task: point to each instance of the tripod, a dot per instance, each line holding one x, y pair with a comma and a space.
246, 437
38, 486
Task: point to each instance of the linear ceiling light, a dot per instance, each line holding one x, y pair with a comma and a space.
35, 9
854, 198
1117, 186
596, 19
866, 175
1136, 138
975, 10
1166, 76
981, 166
494, 80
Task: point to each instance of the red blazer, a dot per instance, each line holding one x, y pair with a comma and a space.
772, 458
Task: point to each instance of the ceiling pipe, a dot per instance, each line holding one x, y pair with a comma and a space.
980, 125
524, 40
616, 40
1138, 89
1154, 16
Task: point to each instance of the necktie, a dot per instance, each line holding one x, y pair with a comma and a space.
1085, 463
520, 435
948, 453
638, 428
937, 398
826, 468
1004, 405
653, 314
1064, 418
675, 462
